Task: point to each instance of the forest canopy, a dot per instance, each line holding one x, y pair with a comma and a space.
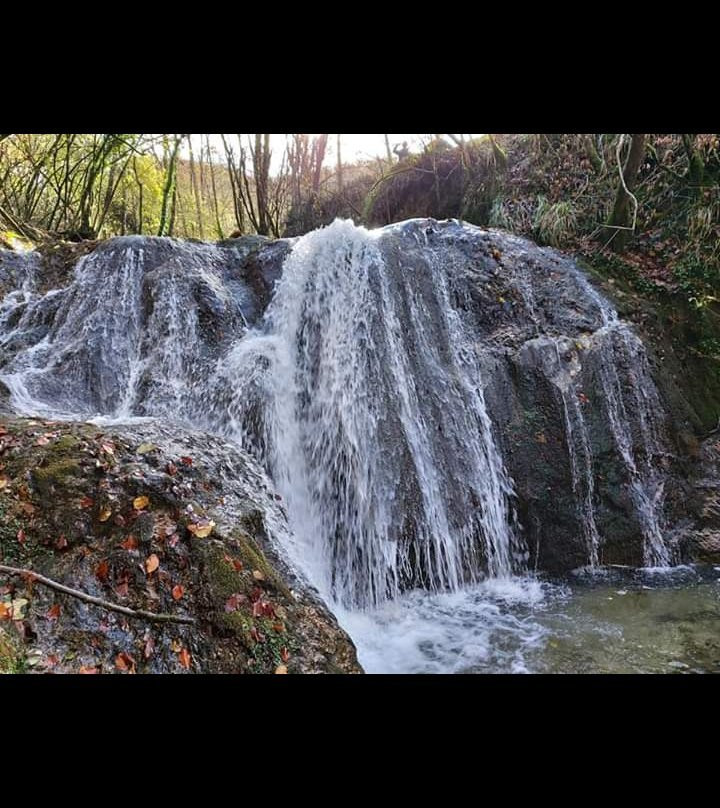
650, 200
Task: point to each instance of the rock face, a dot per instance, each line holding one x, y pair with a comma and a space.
514, 418
112, 513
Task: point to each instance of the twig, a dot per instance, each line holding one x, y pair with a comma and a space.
104, 604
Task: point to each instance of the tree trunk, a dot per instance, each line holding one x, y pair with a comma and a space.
696, 170
168, 197
622, 218
388, 150
341, 184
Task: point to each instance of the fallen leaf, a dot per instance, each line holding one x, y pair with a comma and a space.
61, 543
87, 670
178, 592
171, 469
122, 590
131, 543
124, 662
54, 613
102, 571
105, 514
234, 602
5, 613
185, 658
17, 607
108, 448
140, 503
27, 508
149, 648
281, 669
42, 441
176, 646
151, 564
285, 655
21, 536
203, 529
237, 565
3, 482
258, 576
146, 448
186, 461
87, 502
52, 660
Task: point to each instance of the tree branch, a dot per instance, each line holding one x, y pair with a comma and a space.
104, 604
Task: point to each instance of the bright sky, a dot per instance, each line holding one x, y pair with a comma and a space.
354, 147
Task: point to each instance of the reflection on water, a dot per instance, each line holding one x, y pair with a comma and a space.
604, 621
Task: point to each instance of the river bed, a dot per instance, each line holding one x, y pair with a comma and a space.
607, 621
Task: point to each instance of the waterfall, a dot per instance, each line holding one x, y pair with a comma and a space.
622, 348
370, 372
376, 430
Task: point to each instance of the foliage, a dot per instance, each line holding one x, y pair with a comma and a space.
561, 189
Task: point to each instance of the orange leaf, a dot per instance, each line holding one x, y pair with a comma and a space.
124, 662
102, 571
4, 611
87, 502
238, 565
54, 613
152, 563
87, 670
178, 592
185, 658
285, 655
140, 503
281, 669
131, 543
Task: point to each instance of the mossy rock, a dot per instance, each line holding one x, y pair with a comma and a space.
61, 481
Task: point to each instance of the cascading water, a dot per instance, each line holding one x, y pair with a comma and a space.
380, 389
376, 430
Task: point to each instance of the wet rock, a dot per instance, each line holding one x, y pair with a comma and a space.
570, 390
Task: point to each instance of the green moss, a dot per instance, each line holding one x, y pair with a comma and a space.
55, 474
65, 443
11, 657
223, 581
